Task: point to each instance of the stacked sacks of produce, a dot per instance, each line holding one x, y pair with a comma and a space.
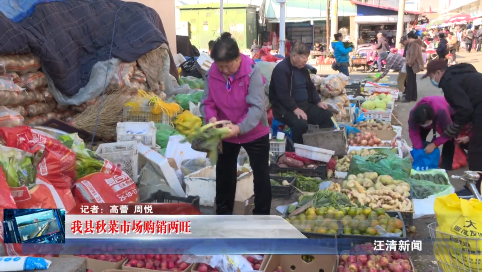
24, 92
343, 164
378, 191
332, 90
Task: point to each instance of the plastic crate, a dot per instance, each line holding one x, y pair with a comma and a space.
313, 153
385, 116
407, 218
282, 191
319, 172
346, 242
165, 197
353, 89
144, 115
143, 132
124, 155
277, 148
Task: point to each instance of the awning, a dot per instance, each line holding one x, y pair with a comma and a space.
457, 4
478, 21
378, 19
305, 10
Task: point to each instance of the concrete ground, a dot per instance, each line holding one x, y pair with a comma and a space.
424, 260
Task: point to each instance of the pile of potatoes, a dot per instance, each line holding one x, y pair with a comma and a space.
369, 125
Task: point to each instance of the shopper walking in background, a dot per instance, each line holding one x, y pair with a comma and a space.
442, 48
414, 65
459, 35
469, 39
382, 46
341, 54
234, 91
478, 36
452, 41
396, 63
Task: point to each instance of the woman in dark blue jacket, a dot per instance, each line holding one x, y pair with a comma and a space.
442, 48
341, 54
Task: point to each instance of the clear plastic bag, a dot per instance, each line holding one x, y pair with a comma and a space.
122, 76
193, 165
150, 181
334, 85
10, 118
40, 108
20, 64
33, 81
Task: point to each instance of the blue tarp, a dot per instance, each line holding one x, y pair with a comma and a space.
71, 36
18, 10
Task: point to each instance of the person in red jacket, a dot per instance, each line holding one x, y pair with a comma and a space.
287, 48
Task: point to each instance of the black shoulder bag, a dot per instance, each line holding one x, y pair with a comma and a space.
334, 66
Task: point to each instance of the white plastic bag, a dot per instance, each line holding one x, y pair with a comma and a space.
181, 151
17, 263
195, 109
404, 68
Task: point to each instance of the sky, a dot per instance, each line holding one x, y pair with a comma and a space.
30, 217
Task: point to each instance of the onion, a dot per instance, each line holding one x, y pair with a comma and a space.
364, 142
377, 140
358, 134
351, 136
375, 145
365, 137
357, 139
371, 142
352, 142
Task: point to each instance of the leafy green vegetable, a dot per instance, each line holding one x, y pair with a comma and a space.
326, 198
207, 139
86, 161
17, 167
307, 184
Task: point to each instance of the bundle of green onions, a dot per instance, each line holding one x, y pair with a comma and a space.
208, 139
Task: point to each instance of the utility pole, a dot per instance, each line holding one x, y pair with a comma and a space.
334, 17
221, 17
327, 25
282, 27
400, 22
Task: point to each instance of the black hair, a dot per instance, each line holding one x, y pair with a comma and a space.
422, 114
300, 49
441, 35
210, 44
225, 48
337, 36
412, 35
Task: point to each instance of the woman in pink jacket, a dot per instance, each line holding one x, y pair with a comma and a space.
234, 91
432, 113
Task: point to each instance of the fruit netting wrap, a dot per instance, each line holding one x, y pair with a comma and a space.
225, 263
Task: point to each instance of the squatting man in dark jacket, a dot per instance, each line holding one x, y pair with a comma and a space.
461, 85
293, 96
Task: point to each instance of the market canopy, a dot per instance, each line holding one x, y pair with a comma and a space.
460, 19
305, 10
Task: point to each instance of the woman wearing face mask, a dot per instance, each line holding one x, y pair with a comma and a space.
234, 91
432, 114
461, 85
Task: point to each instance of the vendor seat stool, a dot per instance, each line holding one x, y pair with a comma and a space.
275, 127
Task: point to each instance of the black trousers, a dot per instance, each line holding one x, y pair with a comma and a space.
454, 55
448, 149
469, 46
411, 88
226, 176
479, 44
316, 116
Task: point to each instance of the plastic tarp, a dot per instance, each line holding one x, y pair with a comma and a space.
70, 37
18, 10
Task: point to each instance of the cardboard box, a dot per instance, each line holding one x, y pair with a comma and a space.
67, 264
96, 265
385, 135
326, 263
127, 268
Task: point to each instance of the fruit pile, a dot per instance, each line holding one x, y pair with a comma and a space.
364, 223
255, 263
105, 257
366, 138
378, 102
205, 268
161, 262
363, 258
371, 124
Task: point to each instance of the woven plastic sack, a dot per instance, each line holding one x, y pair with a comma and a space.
187, 122
393, 166
334, 85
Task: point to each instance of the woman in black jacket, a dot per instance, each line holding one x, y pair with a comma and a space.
460, 84
442, 48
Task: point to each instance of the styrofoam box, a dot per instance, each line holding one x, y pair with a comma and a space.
143, 132
161, 165
340, 175
205, 61
202, 183
123, 155
313, 153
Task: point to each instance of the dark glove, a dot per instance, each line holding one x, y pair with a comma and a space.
452, 130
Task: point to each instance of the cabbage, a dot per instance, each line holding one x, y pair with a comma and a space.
389, 96
386, 100
380, 104
368, 105
382, 96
